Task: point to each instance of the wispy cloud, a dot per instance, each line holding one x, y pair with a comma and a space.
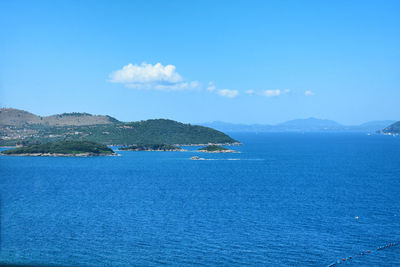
309, 93
275, 92
229, 93
211, 87
148, 76
166, 78
250, 92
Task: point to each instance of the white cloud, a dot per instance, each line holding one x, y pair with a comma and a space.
308, 93
166, 78
146, 73
211, 87
222, 92
178, 86
148, 76
276, 92
228, 93
250, 92
270, 93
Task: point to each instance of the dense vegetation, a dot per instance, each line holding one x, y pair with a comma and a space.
213, 148
149, 147
63, 147
160, 131
393, 128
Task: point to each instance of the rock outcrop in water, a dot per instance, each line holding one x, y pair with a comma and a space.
196, 158
216, 149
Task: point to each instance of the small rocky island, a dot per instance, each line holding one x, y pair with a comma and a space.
62, 149
152, 147
216, 149
197, 158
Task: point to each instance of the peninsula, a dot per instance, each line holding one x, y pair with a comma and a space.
18, 127
152, 147
393, 129
62, 149
216, 149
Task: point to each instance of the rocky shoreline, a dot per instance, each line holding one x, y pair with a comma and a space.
216, 144
219, 151
212, 144
155, 150
119, 145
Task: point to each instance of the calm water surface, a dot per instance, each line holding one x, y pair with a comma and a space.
287, 199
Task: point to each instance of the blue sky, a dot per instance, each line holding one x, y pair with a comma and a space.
234, 61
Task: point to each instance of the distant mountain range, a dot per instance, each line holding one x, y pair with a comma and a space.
22, 127
301, 125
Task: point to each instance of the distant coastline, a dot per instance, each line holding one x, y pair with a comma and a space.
300, 125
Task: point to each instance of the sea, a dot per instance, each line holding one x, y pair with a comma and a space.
287, 199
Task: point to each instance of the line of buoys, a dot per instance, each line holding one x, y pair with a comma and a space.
362, 253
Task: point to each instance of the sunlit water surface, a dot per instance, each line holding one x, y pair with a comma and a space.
287, 199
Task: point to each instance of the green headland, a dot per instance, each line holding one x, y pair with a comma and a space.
393, 129
63, 148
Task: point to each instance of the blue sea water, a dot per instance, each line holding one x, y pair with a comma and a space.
286, 200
